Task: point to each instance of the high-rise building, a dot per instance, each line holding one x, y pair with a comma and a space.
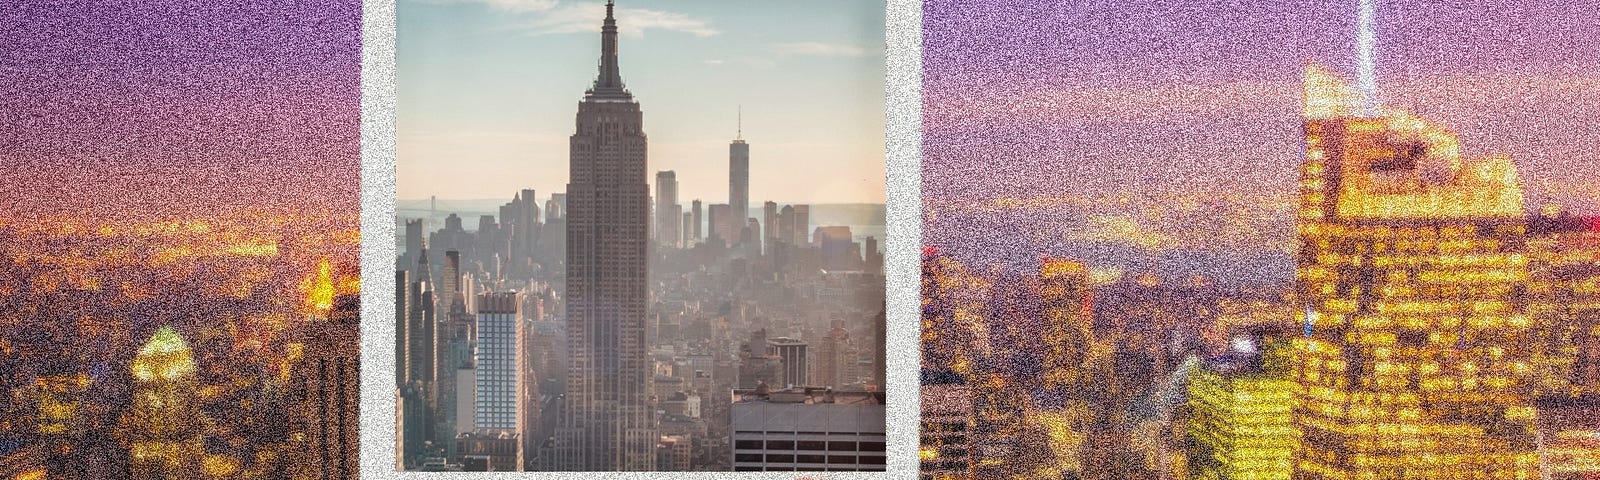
163, 422
687, 231
608, 422
327, 385
807, 429
873, 257
1564, 254
402, 313
528, 224
452, 350
699, 221
947, 420
786, 226
668, 212
796, 367
414, 242
1417, 359
1239, 422
723, 226
802, 225
739, 181
751, 238
496, 360
769, 225
835, 358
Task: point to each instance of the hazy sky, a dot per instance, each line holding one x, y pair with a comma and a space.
1091, 97
489, 92
128, 108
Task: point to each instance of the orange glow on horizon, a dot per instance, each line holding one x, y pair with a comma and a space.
320, 290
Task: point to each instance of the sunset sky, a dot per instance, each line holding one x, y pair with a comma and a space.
1090, 97
178, 107
1166, 136
489, 90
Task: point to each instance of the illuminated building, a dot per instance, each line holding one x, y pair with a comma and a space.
327, 382
1564, 253
947, 418
1239, 425
163, 425
1569, 437
608, 423
807, 429
1417, 359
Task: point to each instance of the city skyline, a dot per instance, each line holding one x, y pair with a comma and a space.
1123, 139
1410, 308
471, 112
179, 213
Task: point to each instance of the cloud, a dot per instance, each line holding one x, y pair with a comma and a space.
712, 62
819, 49
543, 17
516, 6
585, 18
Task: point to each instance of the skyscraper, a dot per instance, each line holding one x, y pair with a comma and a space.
497, 375
769, 225
327, 382
796, 367
836, 357
1416, 359
608, 422
723, 225
802, 226
699, 221
739, 181
667, 209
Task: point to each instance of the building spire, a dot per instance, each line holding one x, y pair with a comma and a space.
610, 78
1366, 67
740, 129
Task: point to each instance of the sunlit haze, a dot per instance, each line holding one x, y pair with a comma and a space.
488, 90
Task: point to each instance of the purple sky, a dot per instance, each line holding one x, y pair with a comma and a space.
1025, 98
179, 106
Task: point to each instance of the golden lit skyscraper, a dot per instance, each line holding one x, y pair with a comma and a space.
1416, 360
327, 388
163, 426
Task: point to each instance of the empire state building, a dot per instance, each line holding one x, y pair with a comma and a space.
607, 422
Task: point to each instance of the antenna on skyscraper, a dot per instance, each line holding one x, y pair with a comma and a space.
1366, 68
740, 134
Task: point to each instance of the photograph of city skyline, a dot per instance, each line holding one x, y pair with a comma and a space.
1276, 240
582, 296
179, 283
